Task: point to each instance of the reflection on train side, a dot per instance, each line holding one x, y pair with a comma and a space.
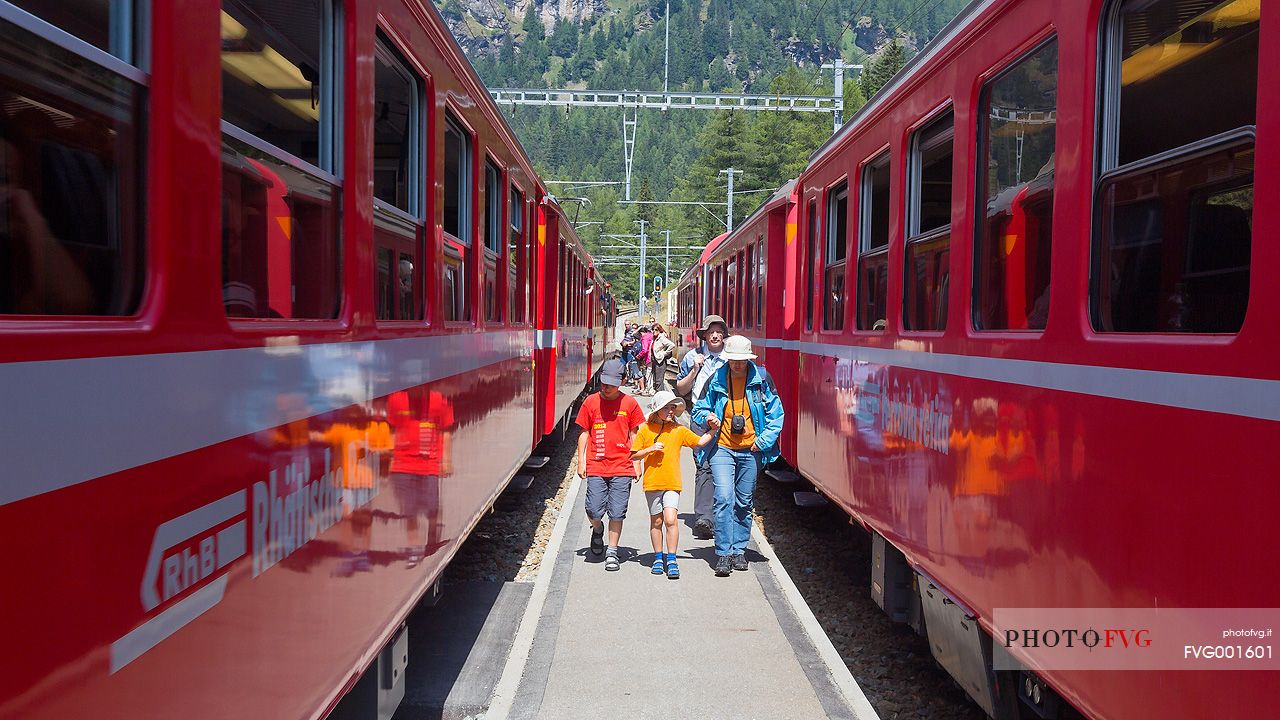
945, 458
336, 468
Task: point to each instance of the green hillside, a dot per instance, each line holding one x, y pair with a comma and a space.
753, 46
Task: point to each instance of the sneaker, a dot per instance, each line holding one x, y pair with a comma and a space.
739, 562
611, 561
724, 566
703, 530
597, 540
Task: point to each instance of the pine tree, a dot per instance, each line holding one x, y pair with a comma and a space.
645, 212
532, 26
883, 69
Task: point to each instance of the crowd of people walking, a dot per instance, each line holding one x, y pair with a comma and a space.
735, 421
647, 351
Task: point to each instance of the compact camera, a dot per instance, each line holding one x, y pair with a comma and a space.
737, 424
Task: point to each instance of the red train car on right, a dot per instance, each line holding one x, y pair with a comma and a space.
1037, 357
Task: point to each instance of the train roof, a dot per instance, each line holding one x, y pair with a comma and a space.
781, 195
961, 22
711, 247
481, 96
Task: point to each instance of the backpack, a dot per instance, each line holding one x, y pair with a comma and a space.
646, 342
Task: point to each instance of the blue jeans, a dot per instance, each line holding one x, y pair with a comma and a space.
734, 474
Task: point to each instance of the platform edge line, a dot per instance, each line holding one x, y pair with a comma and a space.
840, 674
504, 692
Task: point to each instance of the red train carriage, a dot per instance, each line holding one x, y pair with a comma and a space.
695, 289
271, 278
1030, 357
572, 332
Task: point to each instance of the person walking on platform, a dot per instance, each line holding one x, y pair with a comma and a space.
609, 420
644, 343
743, 406
661, 352
629, 347
696, 369
658, 445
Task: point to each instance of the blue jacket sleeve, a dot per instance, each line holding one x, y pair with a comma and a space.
702, 408
773, 419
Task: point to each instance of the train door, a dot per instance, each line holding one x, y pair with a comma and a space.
780, 310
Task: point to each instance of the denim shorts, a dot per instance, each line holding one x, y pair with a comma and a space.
608, 496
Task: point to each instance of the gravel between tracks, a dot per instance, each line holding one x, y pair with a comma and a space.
828, 559
509, 542
830, 562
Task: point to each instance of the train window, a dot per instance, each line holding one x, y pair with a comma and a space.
873, 245
281, 255
108, 26
397, 133
1173, 237
561, 270
836, 247
279, 75
457, 220
1169, 55
398, 270
517, 291
493, 197
1015, 190
760, 281
731, 292
571, 289
749, 296
72, 144
928, 244
811, 256
397, 94
457, 180
531, 261
281, 247
384, 278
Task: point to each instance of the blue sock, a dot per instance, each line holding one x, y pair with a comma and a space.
671, 557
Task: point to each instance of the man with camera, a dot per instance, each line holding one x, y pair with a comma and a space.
696, 370
742, 404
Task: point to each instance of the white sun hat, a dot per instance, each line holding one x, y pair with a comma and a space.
665, 398
737, 347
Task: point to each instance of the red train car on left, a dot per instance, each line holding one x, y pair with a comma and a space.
271, 273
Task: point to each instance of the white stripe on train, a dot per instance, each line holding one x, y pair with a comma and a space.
69, 421
126, 411
1245, 397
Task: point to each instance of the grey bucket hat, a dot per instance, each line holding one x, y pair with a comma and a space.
611, 373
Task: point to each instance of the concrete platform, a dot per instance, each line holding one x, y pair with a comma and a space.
630, 644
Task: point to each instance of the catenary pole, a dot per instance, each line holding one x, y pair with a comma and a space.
642, 260
666, 267
729, 215
666, 52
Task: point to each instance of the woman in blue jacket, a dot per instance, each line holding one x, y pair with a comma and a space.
742, 404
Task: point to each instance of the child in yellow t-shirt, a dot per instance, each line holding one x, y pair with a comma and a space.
661, 474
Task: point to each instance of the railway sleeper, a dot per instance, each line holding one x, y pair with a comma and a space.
958, 642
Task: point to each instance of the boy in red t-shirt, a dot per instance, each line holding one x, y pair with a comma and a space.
609, 420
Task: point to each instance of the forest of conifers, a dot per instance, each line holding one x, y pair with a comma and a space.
733, 46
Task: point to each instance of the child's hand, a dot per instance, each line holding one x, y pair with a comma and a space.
658, 446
